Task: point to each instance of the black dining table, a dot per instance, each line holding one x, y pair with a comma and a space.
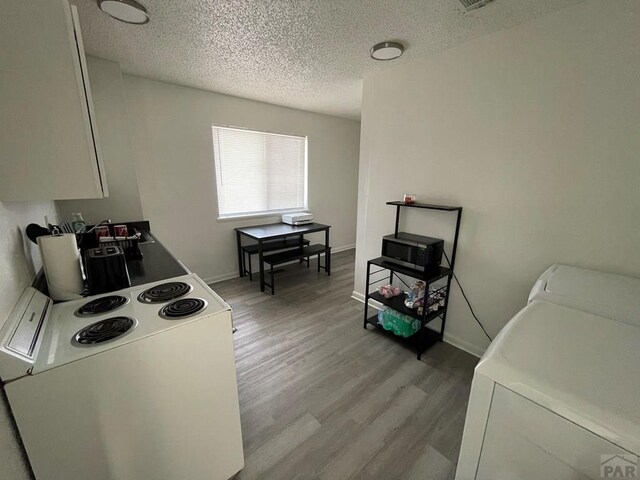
273, 231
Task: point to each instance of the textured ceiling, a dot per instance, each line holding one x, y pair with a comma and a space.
307, 54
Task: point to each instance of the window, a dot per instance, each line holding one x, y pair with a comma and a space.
259, 172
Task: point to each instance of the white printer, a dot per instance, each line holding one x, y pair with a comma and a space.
297, 218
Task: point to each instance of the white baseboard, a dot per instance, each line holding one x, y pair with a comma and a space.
234, 274
221, 278
450, 339
343, 248
464, 345
357, 296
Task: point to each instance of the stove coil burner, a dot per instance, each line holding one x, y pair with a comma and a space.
101, 305
185, 307
165, 292
104, 330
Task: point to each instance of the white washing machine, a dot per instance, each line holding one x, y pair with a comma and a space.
605, 294
556, 396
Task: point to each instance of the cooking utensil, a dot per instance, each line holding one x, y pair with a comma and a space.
34, 231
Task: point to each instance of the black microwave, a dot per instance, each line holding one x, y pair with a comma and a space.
414, 251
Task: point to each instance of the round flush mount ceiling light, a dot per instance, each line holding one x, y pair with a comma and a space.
128, 11
387, 50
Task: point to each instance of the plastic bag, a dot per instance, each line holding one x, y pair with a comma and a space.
398, 323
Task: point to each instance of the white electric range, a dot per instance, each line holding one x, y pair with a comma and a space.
137, 383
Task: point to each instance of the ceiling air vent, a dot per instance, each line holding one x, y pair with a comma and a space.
473, 4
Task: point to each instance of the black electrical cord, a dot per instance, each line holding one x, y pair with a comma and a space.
467, 300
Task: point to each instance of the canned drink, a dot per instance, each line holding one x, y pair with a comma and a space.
102, 231
121, 231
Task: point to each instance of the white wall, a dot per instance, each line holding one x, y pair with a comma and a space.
173, 152
19, 262
535, 132
19, 257
123, 203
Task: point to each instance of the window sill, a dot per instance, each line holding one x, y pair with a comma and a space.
238, 218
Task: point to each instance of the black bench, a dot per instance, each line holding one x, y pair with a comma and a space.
269, 246
302, 253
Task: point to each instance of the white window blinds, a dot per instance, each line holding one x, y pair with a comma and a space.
258, 172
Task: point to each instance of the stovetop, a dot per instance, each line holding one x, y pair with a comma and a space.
165, 292
100, 305
104, 331
76, 329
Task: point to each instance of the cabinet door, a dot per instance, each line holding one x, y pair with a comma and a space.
49, 146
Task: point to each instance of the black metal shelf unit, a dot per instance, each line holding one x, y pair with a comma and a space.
424, 337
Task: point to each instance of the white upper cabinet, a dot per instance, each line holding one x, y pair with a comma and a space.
49, 144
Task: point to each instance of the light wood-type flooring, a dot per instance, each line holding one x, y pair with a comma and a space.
323, 398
